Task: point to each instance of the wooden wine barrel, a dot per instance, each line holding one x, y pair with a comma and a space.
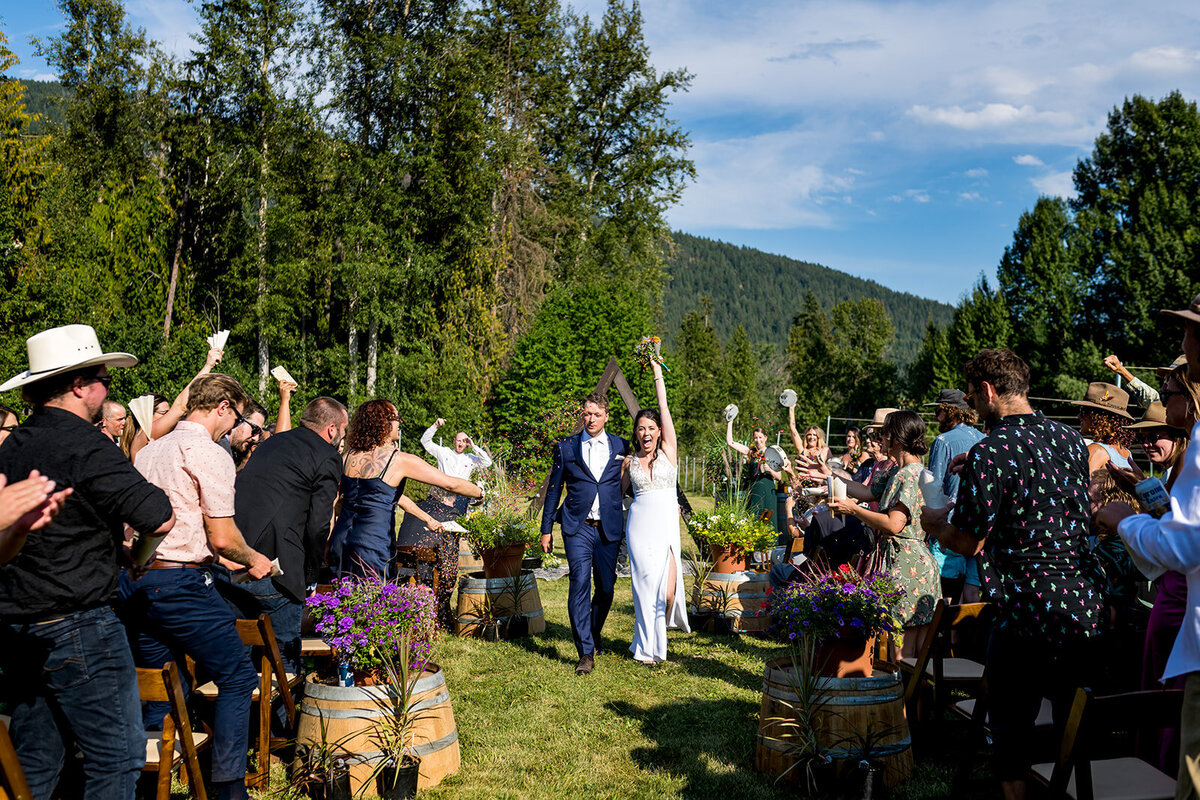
475, 592
351, 712
467, 560
739, 594
851, 707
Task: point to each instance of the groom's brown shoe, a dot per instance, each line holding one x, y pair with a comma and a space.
585, 666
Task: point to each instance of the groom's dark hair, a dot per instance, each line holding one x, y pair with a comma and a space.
598, 399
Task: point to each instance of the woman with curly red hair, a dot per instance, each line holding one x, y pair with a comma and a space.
374, 473
1103, 414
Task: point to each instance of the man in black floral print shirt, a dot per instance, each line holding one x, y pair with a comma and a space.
1023, 503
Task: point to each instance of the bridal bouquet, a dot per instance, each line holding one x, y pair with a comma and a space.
649, 351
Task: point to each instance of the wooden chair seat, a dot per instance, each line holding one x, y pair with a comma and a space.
941, 666
315, 647
1119, 779
154, 746
209, 691
1093, 759
953, 669
1045, 716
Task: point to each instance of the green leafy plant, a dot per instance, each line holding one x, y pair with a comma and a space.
799, 733
732, 525
504, 519
396, 724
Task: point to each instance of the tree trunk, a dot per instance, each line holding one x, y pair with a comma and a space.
372, 353
352, 344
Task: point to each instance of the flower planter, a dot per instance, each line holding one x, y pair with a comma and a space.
503, 562
485, 600
336, 789
847, 656
729, 559
349, 714
399, 782
849, 706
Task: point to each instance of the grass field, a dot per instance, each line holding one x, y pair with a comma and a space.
530, 728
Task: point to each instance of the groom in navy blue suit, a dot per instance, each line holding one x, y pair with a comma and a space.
592, 519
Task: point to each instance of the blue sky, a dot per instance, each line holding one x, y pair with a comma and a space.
898, 141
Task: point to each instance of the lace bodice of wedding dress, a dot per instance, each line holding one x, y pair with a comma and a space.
664, 474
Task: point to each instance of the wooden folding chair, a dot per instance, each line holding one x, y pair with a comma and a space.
938, 662
1093, 762
177, 743
12, 777
413, 556
273, 681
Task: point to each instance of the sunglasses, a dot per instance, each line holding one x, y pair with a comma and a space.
254, 429
1166, 394
8, 428
106, 380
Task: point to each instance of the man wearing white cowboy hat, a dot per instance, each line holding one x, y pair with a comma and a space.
61, 644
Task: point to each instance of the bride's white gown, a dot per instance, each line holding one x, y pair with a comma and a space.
653, 542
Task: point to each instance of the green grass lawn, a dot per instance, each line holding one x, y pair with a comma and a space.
530, 728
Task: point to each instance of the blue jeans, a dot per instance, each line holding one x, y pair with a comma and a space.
248, 600
176, 611
74, 679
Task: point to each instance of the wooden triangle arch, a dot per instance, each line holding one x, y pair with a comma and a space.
612, 375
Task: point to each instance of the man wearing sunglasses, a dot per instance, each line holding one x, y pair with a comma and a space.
246, 434
174, 606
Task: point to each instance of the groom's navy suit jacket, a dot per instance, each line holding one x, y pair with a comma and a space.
571, 470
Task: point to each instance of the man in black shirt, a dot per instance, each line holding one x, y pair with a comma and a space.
1023, 503
284, 506
63, 652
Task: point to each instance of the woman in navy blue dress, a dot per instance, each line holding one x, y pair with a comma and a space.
374, 473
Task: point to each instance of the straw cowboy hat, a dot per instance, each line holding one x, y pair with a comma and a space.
1106, 397
58, 350
880, 416
1191, 313
1155, 417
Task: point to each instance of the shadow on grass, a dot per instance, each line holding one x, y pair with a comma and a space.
542, 644
695, 738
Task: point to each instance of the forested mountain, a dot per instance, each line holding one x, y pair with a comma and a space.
46, 100
764, 292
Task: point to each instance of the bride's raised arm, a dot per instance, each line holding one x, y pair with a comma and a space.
668, 426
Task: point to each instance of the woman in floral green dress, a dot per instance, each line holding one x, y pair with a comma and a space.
903, 548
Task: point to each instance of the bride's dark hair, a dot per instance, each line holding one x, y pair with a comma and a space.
652, 415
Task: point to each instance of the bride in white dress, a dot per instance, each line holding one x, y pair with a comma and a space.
653, 531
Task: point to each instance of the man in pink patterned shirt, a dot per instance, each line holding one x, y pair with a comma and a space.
174, 608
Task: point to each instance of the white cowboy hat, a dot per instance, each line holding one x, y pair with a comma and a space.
58, 350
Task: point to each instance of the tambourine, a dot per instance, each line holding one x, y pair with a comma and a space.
787, 398
731, 412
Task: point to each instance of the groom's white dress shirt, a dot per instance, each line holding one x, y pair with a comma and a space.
595, 455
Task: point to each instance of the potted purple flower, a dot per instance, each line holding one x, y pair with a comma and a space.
841, 610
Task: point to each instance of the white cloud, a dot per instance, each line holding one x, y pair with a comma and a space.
1166, 58
1027, 160
992, 115
1055, 184
976, 173
970, 197
773, 180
